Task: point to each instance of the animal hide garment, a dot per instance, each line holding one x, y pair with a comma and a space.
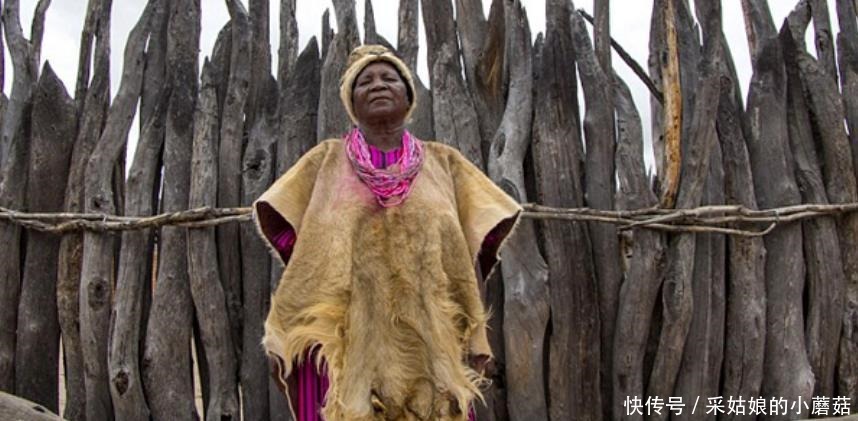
388, 295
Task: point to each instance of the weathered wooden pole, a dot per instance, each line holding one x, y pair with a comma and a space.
455, 119
826, 133
786, 371
677, 291
422, 122
744, 341
206, 289
646, 249
287, 52
92, 98
228, 185
54, 124
524, 271
14, 162
257, 166
847, 48
98, 269
332, 118
134, 276
167, 365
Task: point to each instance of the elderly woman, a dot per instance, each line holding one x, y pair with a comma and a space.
378, 314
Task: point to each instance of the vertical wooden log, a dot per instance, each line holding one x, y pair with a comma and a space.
786, 371
696, 376
847, 51
134, 276
327, 35
25, 76
257, 175
609, 284
153, 109
599, 167
98, 270
826, 109
602, 33
455, 119
333, 120
261, 55
206, 289
669, 127
14, 151
37, 348
472, 27
744, 342
847, 48
677, 291
657, 62
558, 160
824, 37
715, 195
37, 33
166, 358
2, 62
407, 40
825, 277
524, 270
92, 107
370, 35
135, 268
288, 50
298, 105
421, 124
90, 26
229, 161
482, 46
645, 259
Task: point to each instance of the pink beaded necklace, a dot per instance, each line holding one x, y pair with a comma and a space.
390, 185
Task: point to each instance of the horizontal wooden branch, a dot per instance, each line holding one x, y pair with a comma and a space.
720, 219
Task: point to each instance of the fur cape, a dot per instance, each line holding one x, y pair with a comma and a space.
388, 295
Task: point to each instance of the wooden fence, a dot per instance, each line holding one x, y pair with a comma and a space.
587, 316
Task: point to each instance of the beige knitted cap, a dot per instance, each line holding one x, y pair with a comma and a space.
361, 57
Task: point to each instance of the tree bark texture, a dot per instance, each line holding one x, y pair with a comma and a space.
524, 271
744, 342
134, 275
558, 160
92, 101
333, 122
422, 121
847, 50
643, 257
228, 186
37, 347
14, 162
98, 268
455, 119
787, 370
166, 357
257, 169
206, 290
599, 187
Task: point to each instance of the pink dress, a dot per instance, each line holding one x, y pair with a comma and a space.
309, 385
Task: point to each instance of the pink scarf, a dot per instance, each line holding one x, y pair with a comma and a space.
390, 185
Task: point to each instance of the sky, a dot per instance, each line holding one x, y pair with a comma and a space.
629, 26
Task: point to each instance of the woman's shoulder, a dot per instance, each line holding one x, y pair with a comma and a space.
443, 151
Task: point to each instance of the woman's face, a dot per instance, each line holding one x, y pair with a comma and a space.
380, 94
